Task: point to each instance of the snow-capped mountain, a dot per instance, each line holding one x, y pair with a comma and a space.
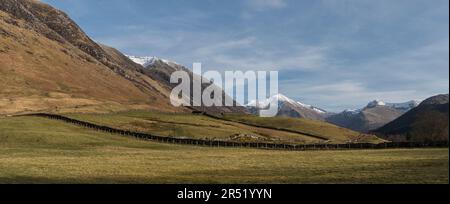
406, 106
424, 123
288, 107
275, 98
376, 114
161, 70
375, 103
148, 61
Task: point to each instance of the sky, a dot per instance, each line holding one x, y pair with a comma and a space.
333, 54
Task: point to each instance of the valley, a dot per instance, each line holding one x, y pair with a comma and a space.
49, 65
36, 150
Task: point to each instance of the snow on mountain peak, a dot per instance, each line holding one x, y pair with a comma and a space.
401, 106
144, 61
147, 61
275, 98
280, 98
376, 103
406, 105
283, 98
352, 111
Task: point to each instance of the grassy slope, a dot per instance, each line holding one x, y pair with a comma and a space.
334, 133
36, 150
188, 125
199, 126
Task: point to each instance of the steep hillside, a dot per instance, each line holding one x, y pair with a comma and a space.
427, 122
47, 63
161, 70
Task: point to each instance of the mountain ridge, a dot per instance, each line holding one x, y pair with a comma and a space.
149, 61
427, 122
161, 70
288, 107
374, 115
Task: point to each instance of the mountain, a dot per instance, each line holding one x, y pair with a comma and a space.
427, 122
150, 61
47, 63
161, 70
376, 114
406, 106
288, 107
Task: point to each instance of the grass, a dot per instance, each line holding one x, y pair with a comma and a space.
203, 127
37, 150
191, 126
332, 132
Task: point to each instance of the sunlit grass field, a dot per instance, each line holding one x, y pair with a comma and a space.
186, 125
204, 127
326, 130
38, 150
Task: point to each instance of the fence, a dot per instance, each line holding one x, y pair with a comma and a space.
258, 145
267, 127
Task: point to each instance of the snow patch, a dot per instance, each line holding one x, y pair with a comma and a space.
407, 105
401, 106
147, 61
280, 98
376, 103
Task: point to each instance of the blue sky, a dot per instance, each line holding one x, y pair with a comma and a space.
335, 54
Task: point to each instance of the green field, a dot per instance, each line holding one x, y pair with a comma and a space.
203, 127
326, 130
37, 150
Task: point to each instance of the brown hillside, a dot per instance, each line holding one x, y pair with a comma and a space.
47, 63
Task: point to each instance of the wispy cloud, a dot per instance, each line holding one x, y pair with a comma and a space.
392, 78
335, 54
302, 59
266, 4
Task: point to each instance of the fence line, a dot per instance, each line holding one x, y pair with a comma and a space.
266, 127
256, 145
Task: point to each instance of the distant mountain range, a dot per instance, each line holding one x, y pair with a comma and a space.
408, 121
427, 122
374, 115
